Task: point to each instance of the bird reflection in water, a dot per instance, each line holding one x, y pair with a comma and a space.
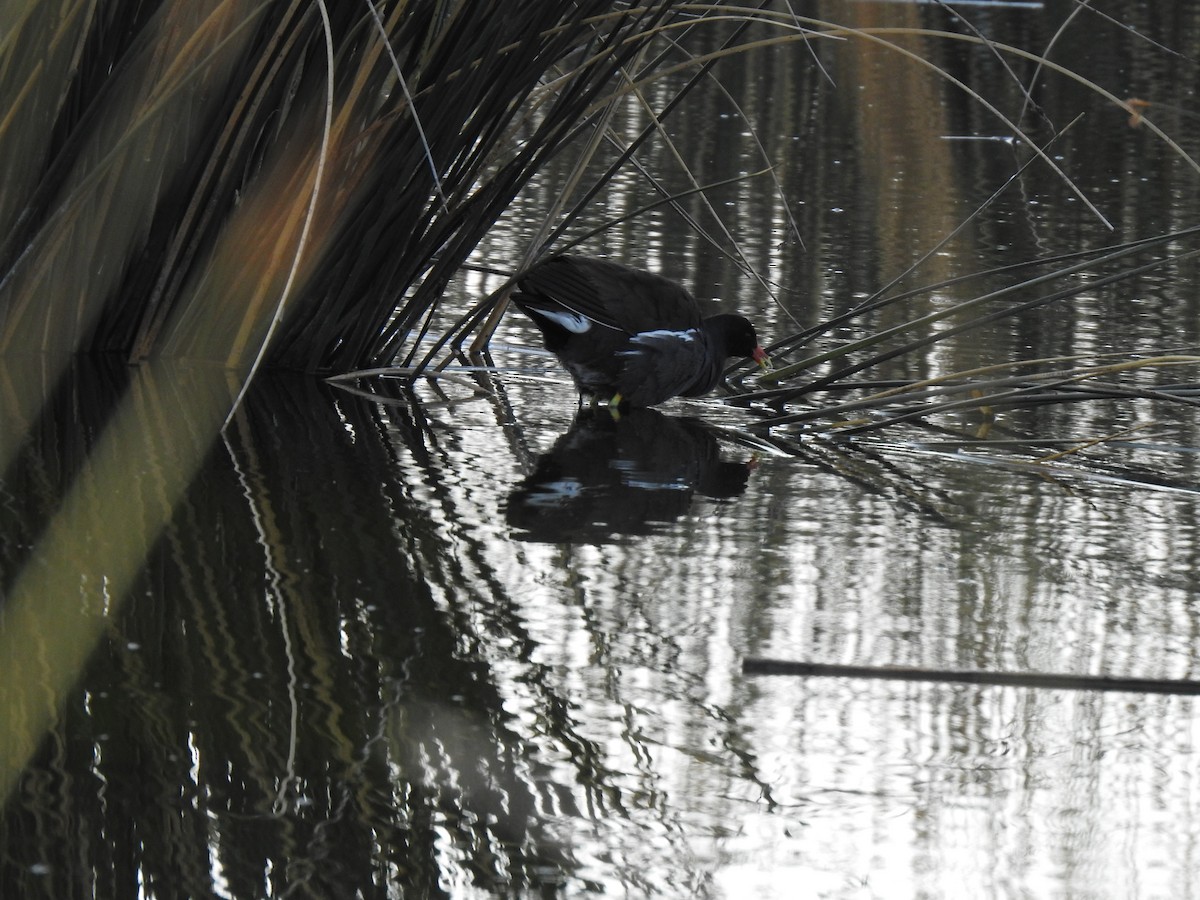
610, 476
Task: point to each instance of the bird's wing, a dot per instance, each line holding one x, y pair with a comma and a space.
612, 295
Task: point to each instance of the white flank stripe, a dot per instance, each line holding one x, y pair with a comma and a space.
573, 322
664, 334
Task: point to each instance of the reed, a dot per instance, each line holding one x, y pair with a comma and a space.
285, 181
294, 184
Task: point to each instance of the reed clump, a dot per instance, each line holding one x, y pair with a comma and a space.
292, 183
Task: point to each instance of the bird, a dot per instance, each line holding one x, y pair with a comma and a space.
630, 338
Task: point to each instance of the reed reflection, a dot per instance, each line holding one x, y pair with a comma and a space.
285, 682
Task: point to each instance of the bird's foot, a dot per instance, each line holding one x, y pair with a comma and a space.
613, 404
614, 407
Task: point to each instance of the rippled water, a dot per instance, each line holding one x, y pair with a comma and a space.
470, 642
357, 658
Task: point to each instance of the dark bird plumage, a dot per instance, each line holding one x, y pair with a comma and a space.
628, 335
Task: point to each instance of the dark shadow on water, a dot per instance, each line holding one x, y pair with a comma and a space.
299, 692
612, 476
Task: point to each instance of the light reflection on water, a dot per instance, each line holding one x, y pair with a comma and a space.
379, 680
935, 788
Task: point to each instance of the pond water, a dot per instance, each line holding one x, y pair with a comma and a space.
469, 641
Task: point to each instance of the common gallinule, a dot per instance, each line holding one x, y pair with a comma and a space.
628, 337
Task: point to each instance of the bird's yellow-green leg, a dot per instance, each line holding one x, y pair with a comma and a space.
614, 406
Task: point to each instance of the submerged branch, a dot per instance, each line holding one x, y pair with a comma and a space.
753, 665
